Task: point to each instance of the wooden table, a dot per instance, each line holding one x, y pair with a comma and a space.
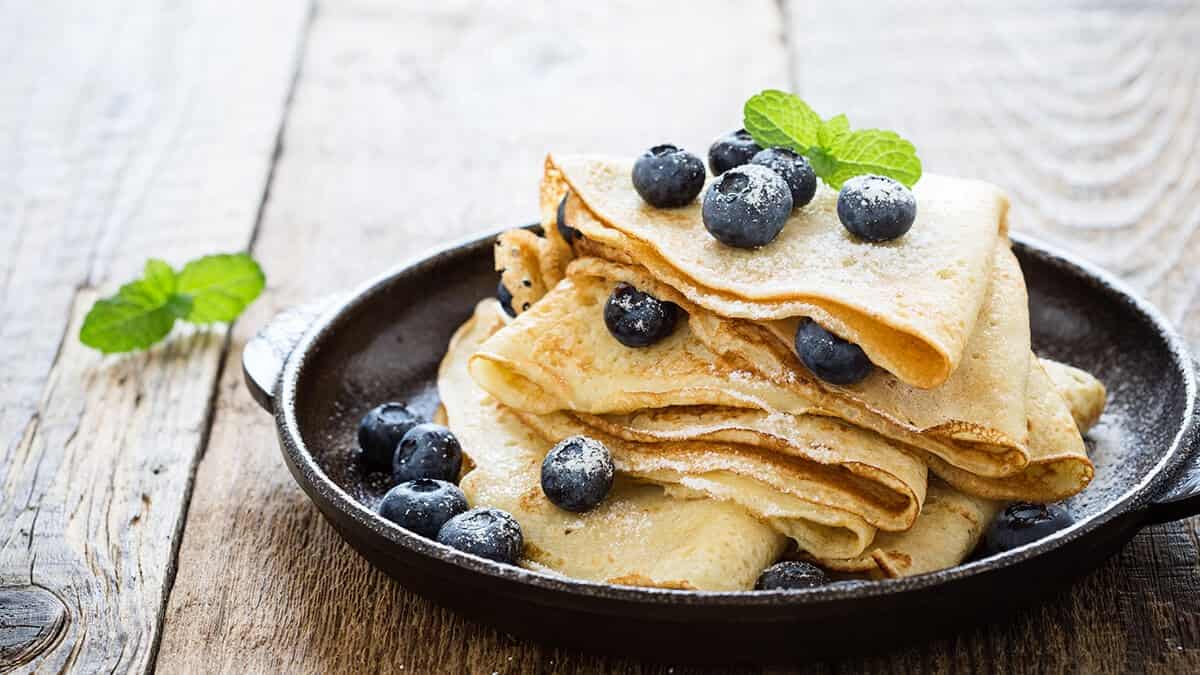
146, 519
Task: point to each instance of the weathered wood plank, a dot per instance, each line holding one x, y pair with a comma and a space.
412, 124
1088, 113
126, 130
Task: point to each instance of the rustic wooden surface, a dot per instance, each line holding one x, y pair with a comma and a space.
166, 128
127, 129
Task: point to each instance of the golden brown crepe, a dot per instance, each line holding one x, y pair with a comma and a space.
529, 265
829, 491
949, 529
1083, 392
824, 507
910, 304
978, 410
951, 522
679, 537
559, 356
638, 536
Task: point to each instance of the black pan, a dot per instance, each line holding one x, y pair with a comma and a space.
318, 368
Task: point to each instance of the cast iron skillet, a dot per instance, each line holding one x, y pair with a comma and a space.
318, 368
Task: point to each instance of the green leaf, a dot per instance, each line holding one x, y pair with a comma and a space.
872, 151
832, 130
778, 119
220, 286
160, 276
135, 318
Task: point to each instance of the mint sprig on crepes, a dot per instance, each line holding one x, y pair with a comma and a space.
778, 119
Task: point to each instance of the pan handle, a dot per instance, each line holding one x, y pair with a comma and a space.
1181, 499
265, 354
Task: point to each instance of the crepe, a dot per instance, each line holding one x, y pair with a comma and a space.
1084, 393
559, 356
951, 522
910, 304
828, 491
678, 537
638, 536
831, 507
975, 421
949, 529
529, 265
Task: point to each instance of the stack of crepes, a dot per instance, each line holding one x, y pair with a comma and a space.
729, 452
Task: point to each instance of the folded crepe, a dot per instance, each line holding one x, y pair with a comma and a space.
679, 537
638, 536
830, 505
911, 304
829, 490
1084, 394
560, 356
978, 411
951, 522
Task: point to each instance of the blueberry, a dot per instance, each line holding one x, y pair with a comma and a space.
380, 432
876, 208
790, 574
1022, 523
794, 169
733, 149
505, 297
487, 533
427, 451
828, 356
423, 505
568, 233
577, 474
747, 206
667, 177
638, 319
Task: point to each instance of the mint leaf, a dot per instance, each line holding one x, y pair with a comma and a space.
220, 286
873, 151
135, 318
778, 119
832, 131
160, 276
212, 288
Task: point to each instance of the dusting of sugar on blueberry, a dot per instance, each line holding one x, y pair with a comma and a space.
733, 149
485, 532
791, 574
668, 177
427, 451
577, 474
794, 169
638, 319
747, 206
423, 505
876, 208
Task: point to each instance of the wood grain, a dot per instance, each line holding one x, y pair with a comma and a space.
115, 144
1089, 114
412, 124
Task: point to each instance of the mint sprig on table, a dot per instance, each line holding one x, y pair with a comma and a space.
778, 119
207, 290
